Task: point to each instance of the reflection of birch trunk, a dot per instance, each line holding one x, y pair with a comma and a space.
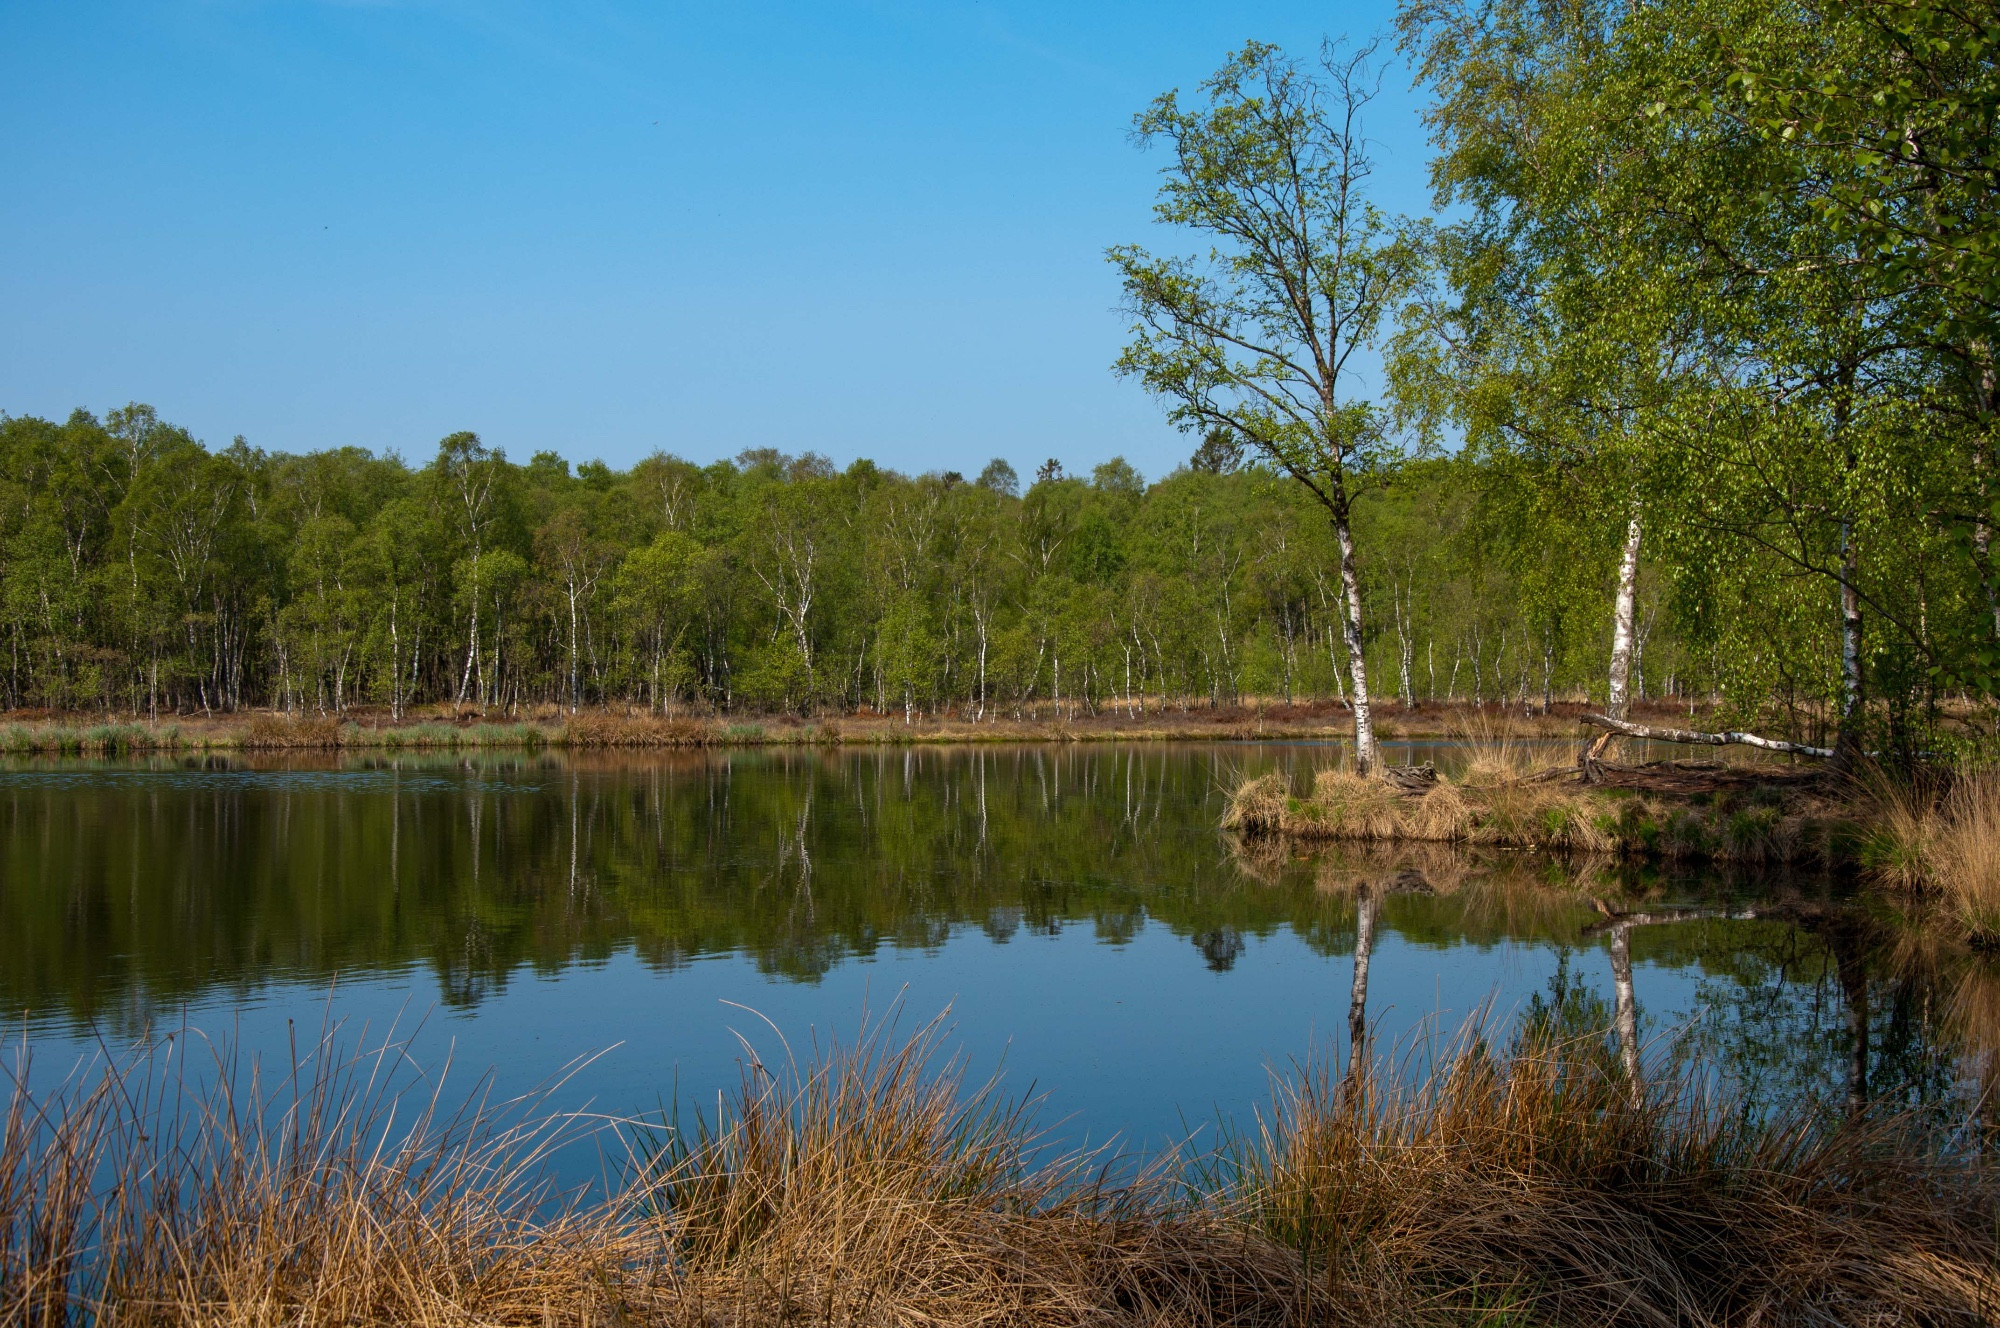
572, 837
1852, 968
1626, 1012
1365, 903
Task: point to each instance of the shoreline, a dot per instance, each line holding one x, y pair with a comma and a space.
91, 733
1933, 839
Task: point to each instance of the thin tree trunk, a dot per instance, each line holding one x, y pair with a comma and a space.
1366, 757
572, 649
1852, 968
472, 638
1847, 742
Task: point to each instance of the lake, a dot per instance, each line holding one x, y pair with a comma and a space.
1076, 908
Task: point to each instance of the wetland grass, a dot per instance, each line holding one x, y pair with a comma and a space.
1940, 837
871, 1185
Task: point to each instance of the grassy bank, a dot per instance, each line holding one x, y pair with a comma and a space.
1530, 1184
1673, 810
1934, 836
443, 727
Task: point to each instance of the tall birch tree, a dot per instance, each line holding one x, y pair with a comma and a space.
1257, 339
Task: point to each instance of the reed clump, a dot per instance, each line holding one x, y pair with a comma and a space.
281, 731
608, 730
157, 1192
870, 1185
1942, 838
108, 739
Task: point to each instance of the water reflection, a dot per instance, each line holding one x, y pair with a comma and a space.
1804, 990
127, 889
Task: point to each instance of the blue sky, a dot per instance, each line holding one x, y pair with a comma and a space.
864, 227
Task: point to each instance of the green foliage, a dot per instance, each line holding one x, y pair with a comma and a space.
1724, 268
322, 582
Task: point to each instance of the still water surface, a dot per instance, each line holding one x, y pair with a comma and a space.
1076, 908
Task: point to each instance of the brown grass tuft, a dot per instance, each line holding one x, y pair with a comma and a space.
1946, 844
1963, 853
1441, 814
602, 729
276, 731
868, 1187
155, 1192
1350, 806
1257, 806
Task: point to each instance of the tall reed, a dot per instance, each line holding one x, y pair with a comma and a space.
1941, 837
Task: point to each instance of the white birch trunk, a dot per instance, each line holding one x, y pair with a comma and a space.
1847, 743
1618, 702
1366, 757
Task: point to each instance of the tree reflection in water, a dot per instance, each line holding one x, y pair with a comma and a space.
129, 886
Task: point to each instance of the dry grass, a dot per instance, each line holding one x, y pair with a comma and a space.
603, 729
1753, 822
1545, 815
1344, 805
869, 1186
1534, 1186
1258, 805
1502, 749
1963, 853
285, 731
1941, 838
155, 1192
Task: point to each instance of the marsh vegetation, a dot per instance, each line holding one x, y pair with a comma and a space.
1529, 1179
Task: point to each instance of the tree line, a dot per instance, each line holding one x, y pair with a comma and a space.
142, 571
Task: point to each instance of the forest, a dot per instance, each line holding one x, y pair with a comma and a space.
1689, 391
143, 572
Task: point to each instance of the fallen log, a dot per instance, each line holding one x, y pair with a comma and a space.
1416, 779
1712, 739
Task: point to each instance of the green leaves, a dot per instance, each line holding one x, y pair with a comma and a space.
1256, 339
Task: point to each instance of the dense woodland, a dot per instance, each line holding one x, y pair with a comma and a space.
1691, 391
145, 572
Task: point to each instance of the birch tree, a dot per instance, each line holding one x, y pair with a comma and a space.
469, 469
1257, 339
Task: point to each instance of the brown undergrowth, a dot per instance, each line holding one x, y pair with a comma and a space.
444, 725
870, 1185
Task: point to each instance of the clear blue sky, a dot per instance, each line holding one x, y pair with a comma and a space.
870, 229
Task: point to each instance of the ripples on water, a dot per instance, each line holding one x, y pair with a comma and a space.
1076, 907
